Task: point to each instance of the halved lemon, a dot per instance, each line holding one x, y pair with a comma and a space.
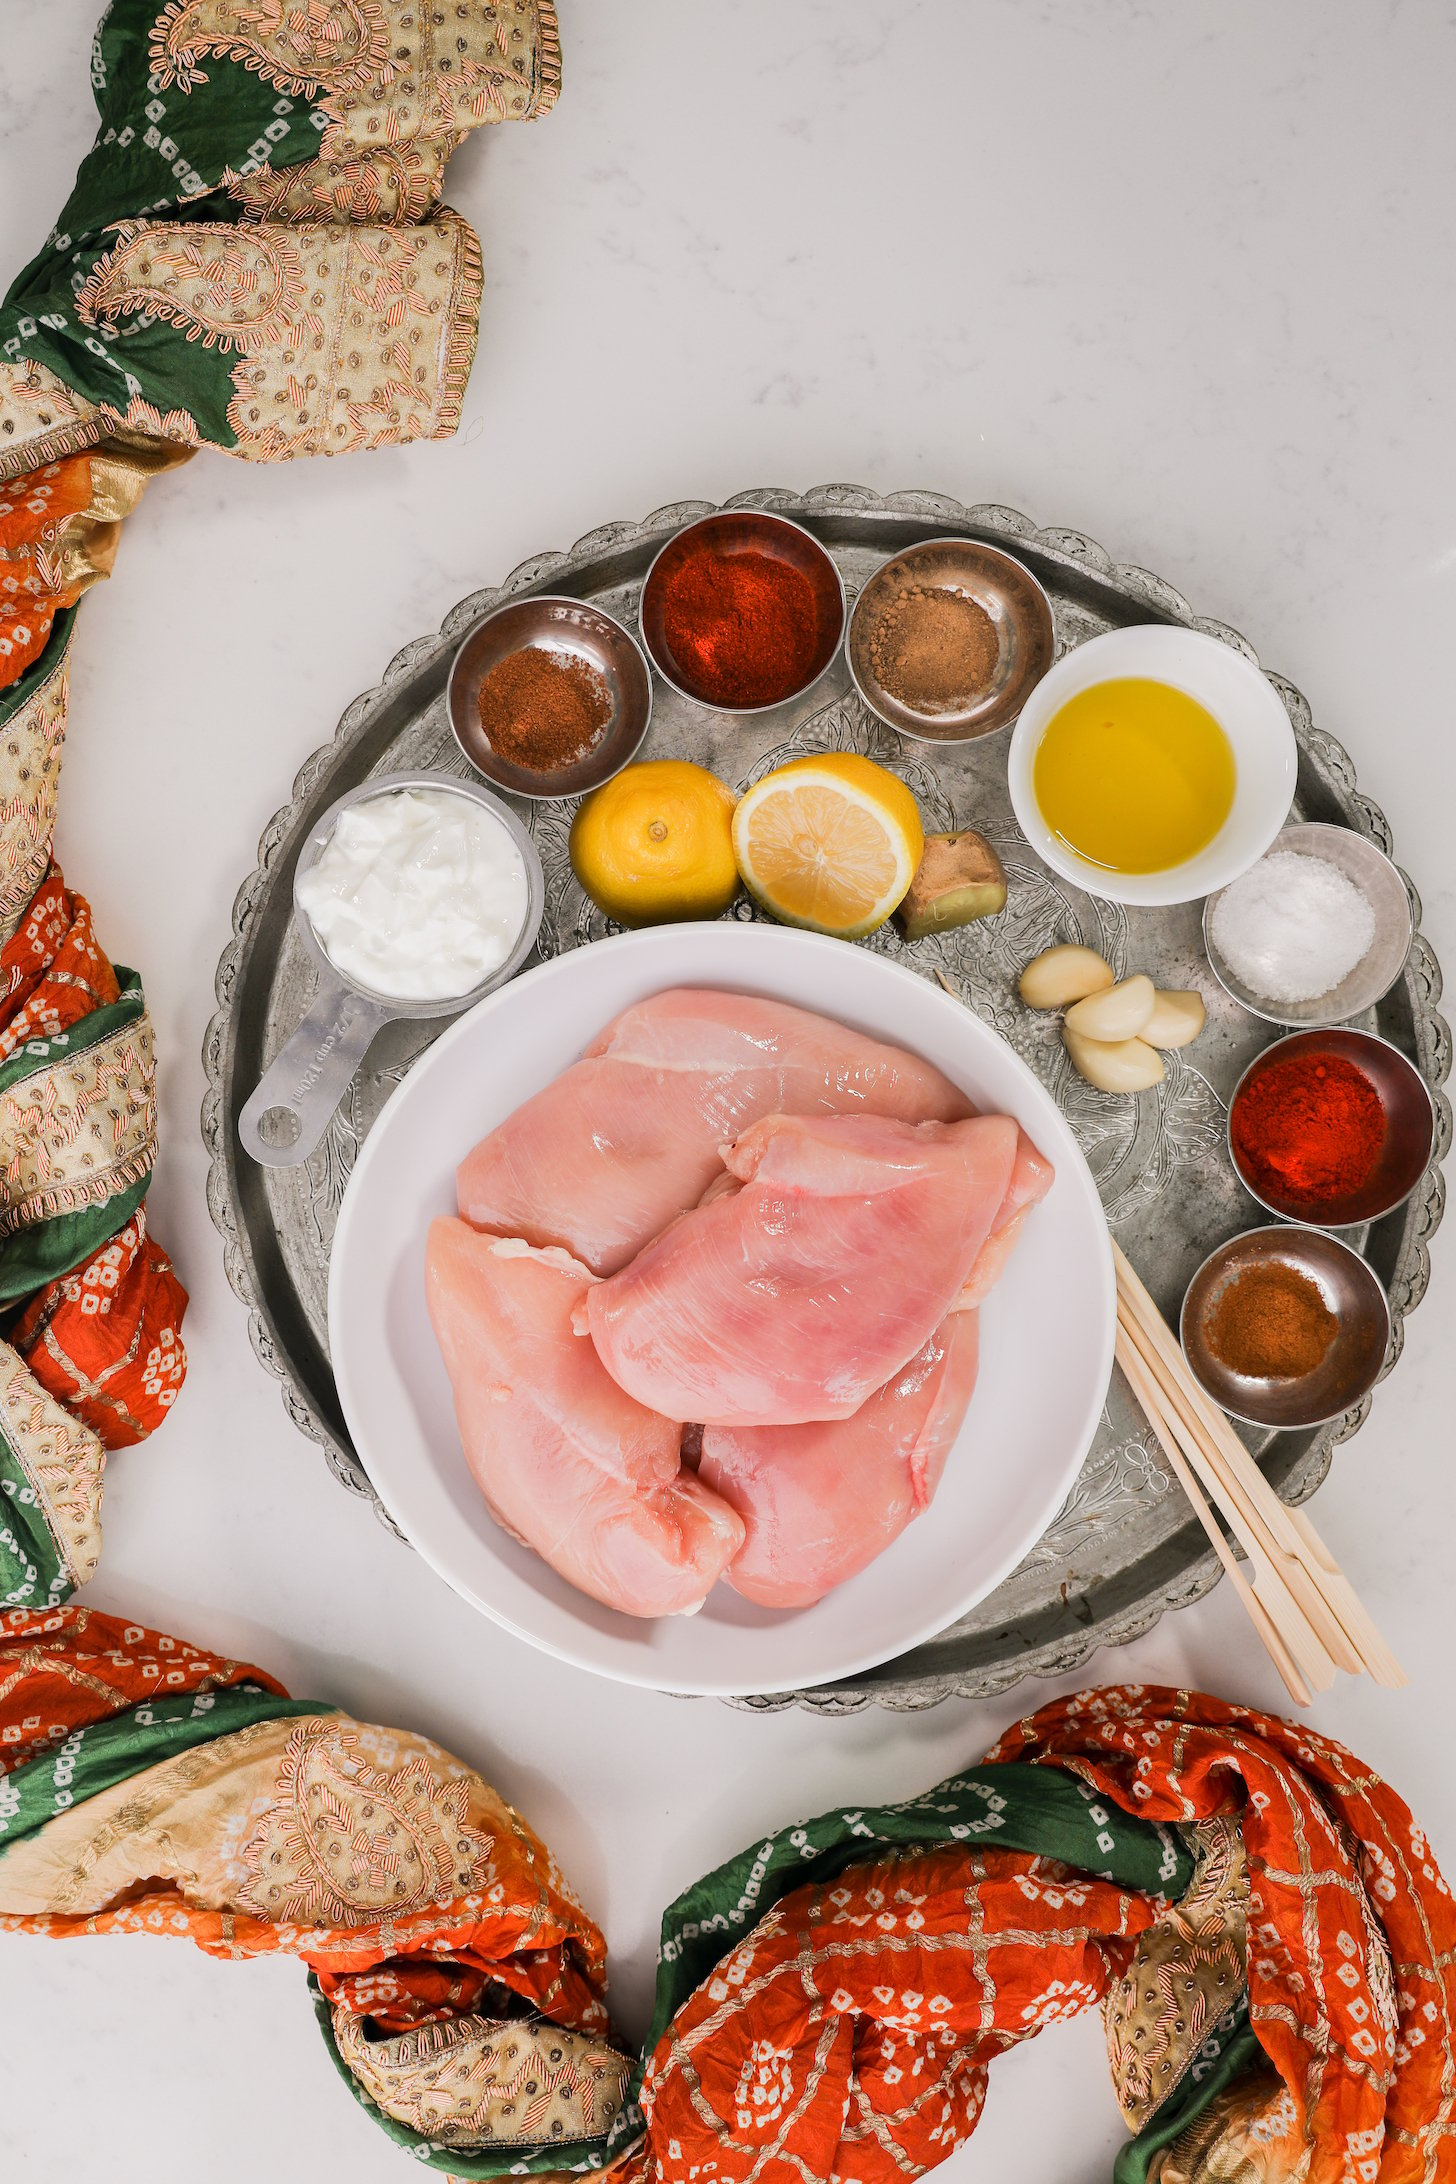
654, 844
829, 843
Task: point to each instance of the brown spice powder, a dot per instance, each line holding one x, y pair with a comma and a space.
934, 650
543, 710
1271, 1323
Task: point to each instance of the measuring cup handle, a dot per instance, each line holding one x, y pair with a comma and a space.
297, 1094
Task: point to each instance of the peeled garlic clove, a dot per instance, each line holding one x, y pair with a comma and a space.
1177, 1019
1116, 1065
1060, 975
1118, 1013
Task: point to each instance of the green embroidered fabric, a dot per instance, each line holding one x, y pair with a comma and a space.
1014, 1806
103, 1753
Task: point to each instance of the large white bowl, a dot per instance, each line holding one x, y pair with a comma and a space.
1046, 1347
1241, 699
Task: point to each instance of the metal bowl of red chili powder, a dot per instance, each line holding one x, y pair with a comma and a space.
1333, 1128
1286, 1327
742, 610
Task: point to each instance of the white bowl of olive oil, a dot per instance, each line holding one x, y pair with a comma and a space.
1152, 765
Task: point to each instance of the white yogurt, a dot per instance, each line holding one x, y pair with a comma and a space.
418, 894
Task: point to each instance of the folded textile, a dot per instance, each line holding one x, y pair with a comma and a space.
1258, 1915
253, 258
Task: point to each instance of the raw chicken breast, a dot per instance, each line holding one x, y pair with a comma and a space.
821, 1501
567, 1462
1032, 1177
799, 1294
628, 1137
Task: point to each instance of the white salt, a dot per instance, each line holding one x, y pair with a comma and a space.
1292, 927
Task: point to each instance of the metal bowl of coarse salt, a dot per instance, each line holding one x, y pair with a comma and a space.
1370, 872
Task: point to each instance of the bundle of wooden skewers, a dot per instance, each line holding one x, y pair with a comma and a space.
1301, 1603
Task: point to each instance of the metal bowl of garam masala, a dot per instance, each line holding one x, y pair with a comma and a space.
549, 697
1285, 1327
948, 640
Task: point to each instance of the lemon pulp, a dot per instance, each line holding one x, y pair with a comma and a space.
1134, 775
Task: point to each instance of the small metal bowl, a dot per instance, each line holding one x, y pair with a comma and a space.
1350, 1367
743, 531
554, 624
1410, 1126
1005, 591
1383, 961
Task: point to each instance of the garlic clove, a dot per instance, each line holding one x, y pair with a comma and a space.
1177, 1019
1118, 1013
1116, 1065
1063, 974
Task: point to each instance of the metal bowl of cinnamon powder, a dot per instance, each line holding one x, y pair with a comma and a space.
948, 639
549, 697
1286, 1327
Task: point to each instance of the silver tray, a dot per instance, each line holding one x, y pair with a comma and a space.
1124, 1548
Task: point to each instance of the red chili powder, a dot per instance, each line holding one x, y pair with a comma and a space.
1309, 1128
742, 626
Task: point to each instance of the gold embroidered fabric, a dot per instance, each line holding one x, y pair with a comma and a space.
1187, 1972
1250, 2133
80, 1129
62, 1461
473, 2081
30, 771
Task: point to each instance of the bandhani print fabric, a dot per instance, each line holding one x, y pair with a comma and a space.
1257, 1914
254, 258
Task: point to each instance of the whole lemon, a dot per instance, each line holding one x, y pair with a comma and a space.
654, 845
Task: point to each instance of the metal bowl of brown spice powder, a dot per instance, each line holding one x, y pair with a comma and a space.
549, 697
1286, 1326
948, 639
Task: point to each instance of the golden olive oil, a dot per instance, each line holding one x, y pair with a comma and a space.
1134, 775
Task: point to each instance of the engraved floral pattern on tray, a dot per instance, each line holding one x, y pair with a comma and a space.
1121, 1550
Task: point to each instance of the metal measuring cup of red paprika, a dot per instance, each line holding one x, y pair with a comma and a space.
1358, 1166
742, 610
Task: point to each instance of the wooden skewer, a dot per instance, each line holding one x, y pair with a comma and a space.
1229, 1471
1325, 1624
1282, 1601
1378, 1657
1278, 1519
1141, 1383
1247, 1508
1331, 1603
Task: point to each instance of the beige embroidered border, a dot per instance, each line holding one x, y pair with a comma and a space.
80, 1129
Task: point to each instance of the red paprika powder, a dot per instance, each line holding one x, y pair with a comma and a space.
1308, 1130
743, 627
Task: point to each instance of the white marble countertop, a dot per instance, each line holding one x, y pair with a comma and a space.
1178, 277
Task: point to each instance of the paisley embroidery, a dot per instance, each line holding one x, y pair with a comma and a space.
399, 184
377, 80
330, 45
78, 1129
1187, 1972
62, 1461
30, 769
41, 418
382, 352
477, 2082
229, 287
348, 1841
